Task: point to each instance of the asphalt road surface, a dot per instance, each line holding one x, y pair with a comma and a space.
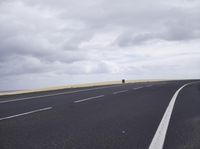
127, 116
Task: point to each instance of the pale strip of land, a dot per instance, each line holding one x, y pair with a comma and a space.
73, 86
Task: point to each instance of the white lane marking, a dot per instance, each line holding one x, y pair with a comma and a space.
120, 92
149, 85
26, 113
90, 98
159, 137
56, 94
137, 88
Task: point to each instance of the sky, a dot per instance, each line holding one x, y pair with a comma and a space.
58, 42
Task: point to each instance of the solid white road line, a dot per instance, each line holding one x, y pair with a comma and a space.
159, 137
90, 98
56, 94
26, 113
120, 92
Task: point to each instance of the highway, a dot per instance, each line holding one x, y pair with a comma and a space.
152, 115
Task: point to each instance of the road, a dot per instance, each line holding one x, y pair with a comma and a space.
127, 116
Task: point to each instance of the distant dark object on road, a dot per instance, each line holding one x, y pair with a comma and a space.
123, 81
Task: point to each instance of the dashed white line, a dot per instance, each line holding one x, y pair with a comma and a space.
90, 98
149, 85
137, 88
159, 137
49, 95
120, 92
26, 113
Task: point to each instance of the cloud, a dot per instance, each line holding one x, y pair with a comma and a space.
58, 40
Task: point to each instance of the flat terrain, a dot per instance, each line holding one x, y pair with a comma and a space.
124, 116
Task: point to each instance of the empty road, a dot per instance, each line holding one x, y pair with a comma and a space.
152, 115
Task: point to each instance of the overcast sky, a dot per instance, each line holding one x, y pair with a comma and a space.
56, 42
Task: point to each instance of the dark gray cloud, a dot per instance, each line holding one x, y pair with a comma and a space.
177, 24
